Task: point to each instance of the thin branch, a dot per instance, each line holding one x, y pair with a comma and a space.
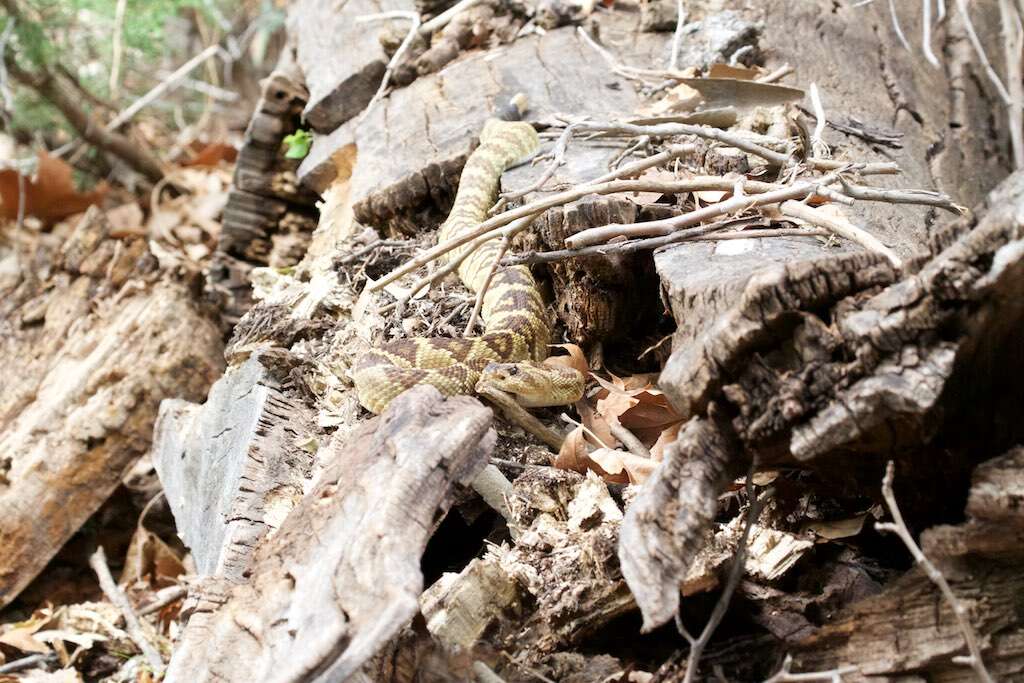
899, 527
919, 197
161, 88
735, 574
841, 227
115, 65
628, 439
1012, 43
98, 562
494, 223
441, 20
482, 292
777, 74
29, 662
961, 6
164, 597
664, 130
557, 159
630, 72
784, 675
414, 18
818, 147
896, 26
666, 226
698, 234
677, 37
926, 34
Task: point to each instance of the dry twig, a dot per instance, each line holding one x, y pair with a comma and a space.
482, 292
899, 527
98, 562
697, 645
698, 234
666, 226
628, 439
784, 675
841, 227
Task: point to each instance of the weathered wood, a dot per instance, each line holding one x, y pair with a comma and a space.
341, 574
412, 145
97, 345
910, 629
233, 467
341, 82
933, 153
266, 201
877, 381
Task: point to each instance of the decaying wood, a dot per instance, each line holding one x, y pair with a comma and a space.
98, 342
341, 81
267, 208
788, 351
233, 468
340, 575
910, 628
889, 397
410, 155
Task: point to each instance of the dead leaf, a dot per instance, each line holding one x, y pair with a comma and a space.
212, 154
837, 528
616, 462
573, 453
710, 196
681, 98
637, 405
668, 435
151, 561
50, 195
575, 359
740, 73
23, 639
742, 94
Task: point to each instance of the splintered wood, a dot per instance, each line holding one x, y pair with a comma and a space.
98, 343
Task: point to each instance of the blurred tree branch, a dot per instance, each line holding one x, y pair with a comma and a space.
46, 82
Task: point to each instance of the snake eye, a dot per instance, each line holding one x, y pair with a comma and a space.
513, 370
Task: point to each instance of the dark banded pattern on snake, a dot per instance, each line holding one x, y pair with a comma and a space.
516, 327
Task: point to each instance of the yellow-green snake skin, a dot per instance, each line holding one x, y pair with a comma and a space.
516, 327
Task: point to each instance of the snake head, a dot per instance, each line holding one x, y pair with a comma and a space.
534, 385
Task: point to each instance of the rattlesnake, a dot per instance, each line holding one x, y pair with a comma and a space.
517, 332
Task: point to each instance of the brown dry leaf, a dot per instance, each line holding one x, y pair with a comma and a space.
212, 154
837, 528
742, 94
740, 73
638, 406
668, 435
20, 634
151, 561
50, 196
617, 463
22, 639
597, 425
681, 98
575, 359
573, 453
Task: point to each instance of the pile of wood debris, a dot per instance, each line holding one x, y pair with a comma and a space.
800, 359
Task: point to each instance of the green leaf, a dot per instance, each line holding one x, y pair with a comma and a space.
298, 144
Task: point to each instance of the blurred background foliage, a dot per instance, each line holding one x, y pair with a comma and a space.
111, 52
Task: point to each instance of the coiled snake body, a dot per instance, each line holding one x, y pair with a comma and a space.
516, 334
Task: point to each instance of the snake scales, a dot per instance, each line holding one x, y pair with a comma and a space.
516, 333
